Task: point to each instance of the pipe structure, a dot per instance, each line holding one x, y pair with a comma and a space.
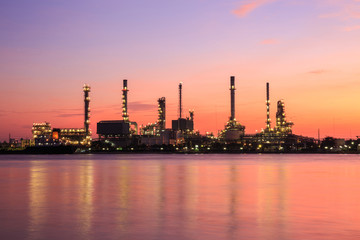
86, 90
268, 121
124, 101
180, 99
232, 97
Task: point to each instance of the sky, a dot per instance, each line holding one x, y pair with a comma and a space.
308, 51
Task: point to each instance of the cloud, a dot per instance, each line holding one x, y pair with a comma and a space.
132, 106
351, 28
65, 115
319, 71
140, 106
249, 6
269, 41
347, 9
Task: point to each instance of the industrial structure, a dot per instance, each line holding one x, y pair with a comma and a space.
87, 140
233, 130
118, 132
155, 129
119, 135
125, 90
161, 114
268, 128
44, 135
183, 125
282, 126
125, 114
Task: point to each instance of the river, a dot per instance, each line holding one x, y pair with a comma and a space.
180, 197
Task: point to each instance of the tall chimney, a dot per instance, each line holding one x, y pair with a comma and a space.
180, 99
232, 93
124, 102
268, 121
86, 90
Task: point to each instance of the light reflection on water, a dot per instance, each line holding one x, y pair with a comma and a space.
180, 197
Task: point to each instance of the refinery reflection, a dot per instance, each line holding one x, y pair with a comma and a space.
123, 196
272, 201
86, 196
191, 197
175, 199
38, 194
50, 188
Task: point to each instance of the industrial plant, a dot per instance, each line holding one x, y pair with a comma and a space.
44, 135
125, 135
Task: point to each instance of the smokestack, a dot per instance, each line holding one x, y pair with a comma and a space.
268, 121
124, 102
232, 93
86, 90
180, 99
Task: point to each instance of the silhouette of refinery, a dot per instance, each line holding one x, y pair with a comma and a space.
125, 135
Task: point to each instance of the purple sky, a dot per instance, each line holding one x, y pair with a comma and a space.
308, 51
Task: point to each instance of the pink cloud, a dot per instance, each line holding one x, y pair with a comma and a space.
346, 9
351, 28
269, 41
249, 6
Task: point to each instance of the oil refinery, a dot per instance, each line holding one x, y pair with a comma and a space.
124, 135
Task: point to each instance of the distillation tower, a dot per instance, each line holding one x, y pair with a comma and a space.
157, 127
282, 126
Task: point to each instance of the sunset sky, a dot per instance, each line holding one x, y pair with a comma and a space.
309, 51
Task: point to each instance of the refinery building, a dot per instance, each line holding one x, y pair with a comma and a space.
124, 134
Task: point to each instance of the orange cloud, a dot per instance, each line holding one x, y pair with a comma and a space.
249, 6
319, 71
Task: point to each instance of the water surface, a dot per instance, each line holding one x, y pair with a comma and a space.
180, 197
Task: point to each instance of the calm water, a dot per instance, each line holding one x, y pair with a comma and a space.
180, 197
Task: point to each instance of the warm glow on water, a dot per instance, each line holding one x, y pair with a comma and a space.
180, 197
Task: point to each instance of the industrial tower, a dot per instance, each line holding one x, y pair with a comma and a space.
232, 97
233, 130
161, 113
86, 90
268, 120
180, 99
282, 126
182, 124
124, 102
